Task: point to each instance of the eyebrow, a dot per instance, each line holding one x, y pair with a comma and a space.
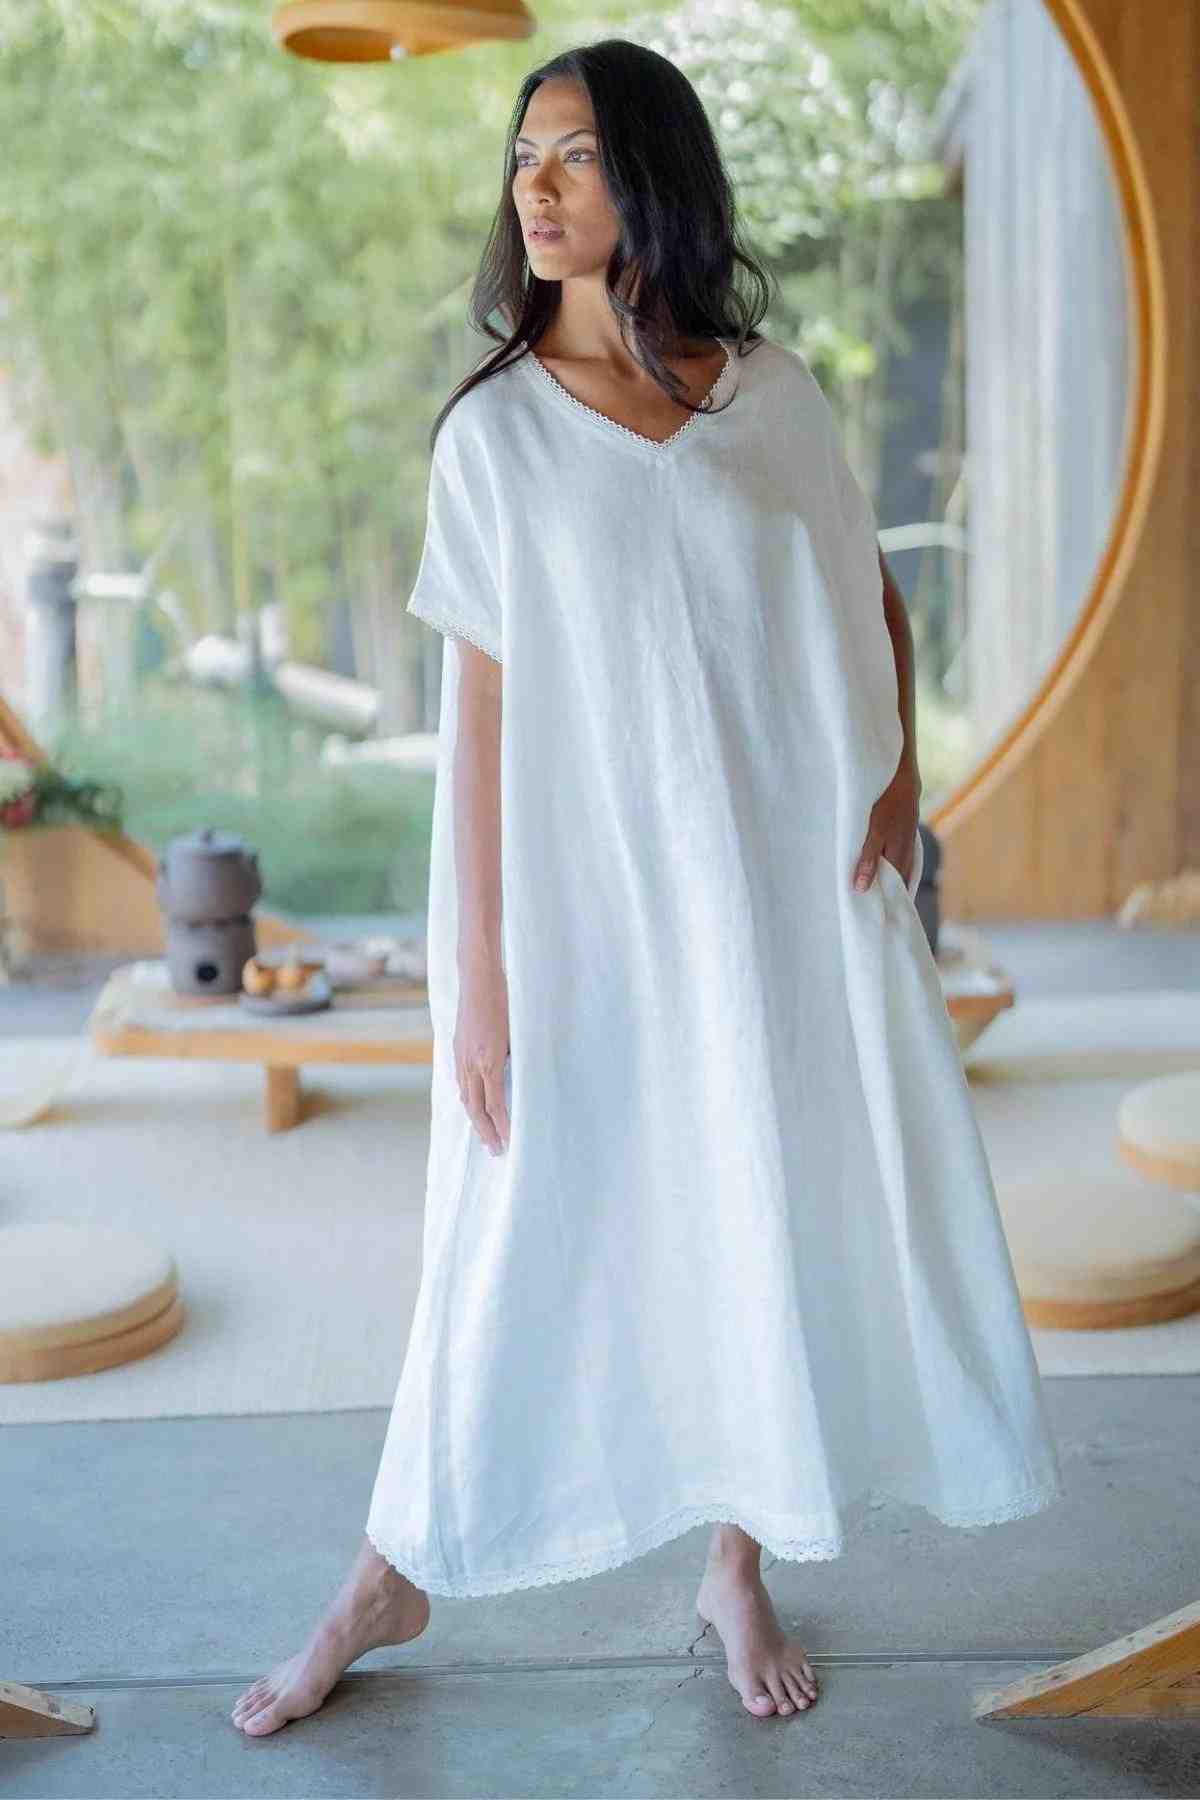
579, 129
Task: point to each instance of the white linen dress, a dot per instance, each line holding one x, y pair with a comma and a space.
742, 1259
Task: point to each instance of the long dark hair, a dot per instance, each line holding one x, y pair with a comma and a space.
674, 199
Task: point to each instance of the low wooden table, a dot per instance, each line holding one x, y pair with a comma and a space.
140, 1014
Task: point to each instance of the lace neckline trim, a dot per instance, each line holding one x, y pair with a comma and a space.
657, 444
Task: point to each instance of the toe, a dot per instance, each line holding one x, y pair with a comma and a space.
804, 1680
795, 1690
779, 1694
801, 1671
269, 1719
266, 1697
247, 1701
762, 1704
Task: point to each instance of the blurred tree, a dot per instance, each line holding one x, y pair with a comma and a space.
216, 260
231, 281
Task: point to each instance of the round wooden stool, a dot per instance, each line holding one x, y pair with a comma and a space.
1096, 1258
78, 1298
1158, 1130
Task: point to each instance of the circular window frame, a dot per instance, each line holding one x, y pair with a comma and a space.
1144, 431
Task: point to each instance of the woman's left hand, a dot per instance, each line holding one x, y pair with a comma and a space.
892, 828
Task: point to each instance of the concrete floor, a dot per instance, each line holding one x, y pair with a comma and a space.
153, 1568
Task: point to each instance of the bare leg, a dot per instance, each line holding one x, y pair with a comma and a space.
769, 1669
375, 1605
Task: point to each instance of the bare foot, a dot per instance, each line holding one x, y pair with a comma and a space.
375, 1605
769, 1669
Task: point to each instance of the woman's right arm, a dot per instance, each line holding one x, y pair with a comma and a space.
481, 1032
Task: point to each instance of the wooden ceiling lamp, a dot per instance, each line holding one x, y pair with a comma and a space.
343, 31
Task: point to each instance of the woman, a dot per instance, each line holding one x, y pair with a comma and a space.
710, 1235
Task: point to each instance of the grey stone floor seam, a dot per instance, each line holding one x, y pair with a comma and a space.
590, 1735
520, 1665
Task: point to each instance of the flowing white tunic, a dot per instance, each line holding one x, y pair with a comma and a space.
742, 1259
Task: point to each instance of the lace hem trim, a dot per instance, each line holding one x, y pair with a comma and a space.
597, 1562
444, 621
614, 424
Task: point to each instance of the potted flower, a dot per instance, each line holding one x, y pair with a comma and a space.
18, 791
39, 794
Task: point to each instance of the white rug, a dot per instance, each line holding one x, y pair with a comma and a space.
299, 1253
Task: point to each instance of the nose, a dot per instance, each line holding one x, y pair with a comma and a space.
535, 182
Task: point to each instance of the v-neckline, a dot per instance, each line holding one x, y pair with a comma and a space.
656, 447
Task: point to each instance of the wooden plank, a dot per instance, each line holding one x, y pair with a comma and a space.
265, 1046
1151, 1673
26, 1712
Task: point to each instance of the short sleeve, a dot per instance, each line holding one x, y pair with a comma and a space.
858, 510
457, 589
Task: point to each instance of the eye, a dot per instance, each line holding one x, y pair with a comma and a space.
519, 160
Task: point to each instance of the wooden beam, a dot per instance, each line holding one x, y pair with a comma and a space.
1153, 1673
26, 1712
13, 735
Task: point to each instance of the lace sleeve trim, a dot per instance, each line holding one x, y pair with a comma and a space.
446, 622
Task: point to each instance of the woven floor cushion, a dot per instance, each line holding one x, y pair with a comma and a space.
1158, 1130
1093, 1257
78, 1298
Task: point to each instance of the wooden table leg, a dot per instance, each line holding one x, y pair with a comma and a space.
283, 1096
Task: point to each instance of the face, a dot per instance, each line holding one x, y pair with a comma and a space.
558, 177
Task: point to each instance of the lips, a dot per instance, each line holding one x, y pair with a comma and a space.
545, 232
